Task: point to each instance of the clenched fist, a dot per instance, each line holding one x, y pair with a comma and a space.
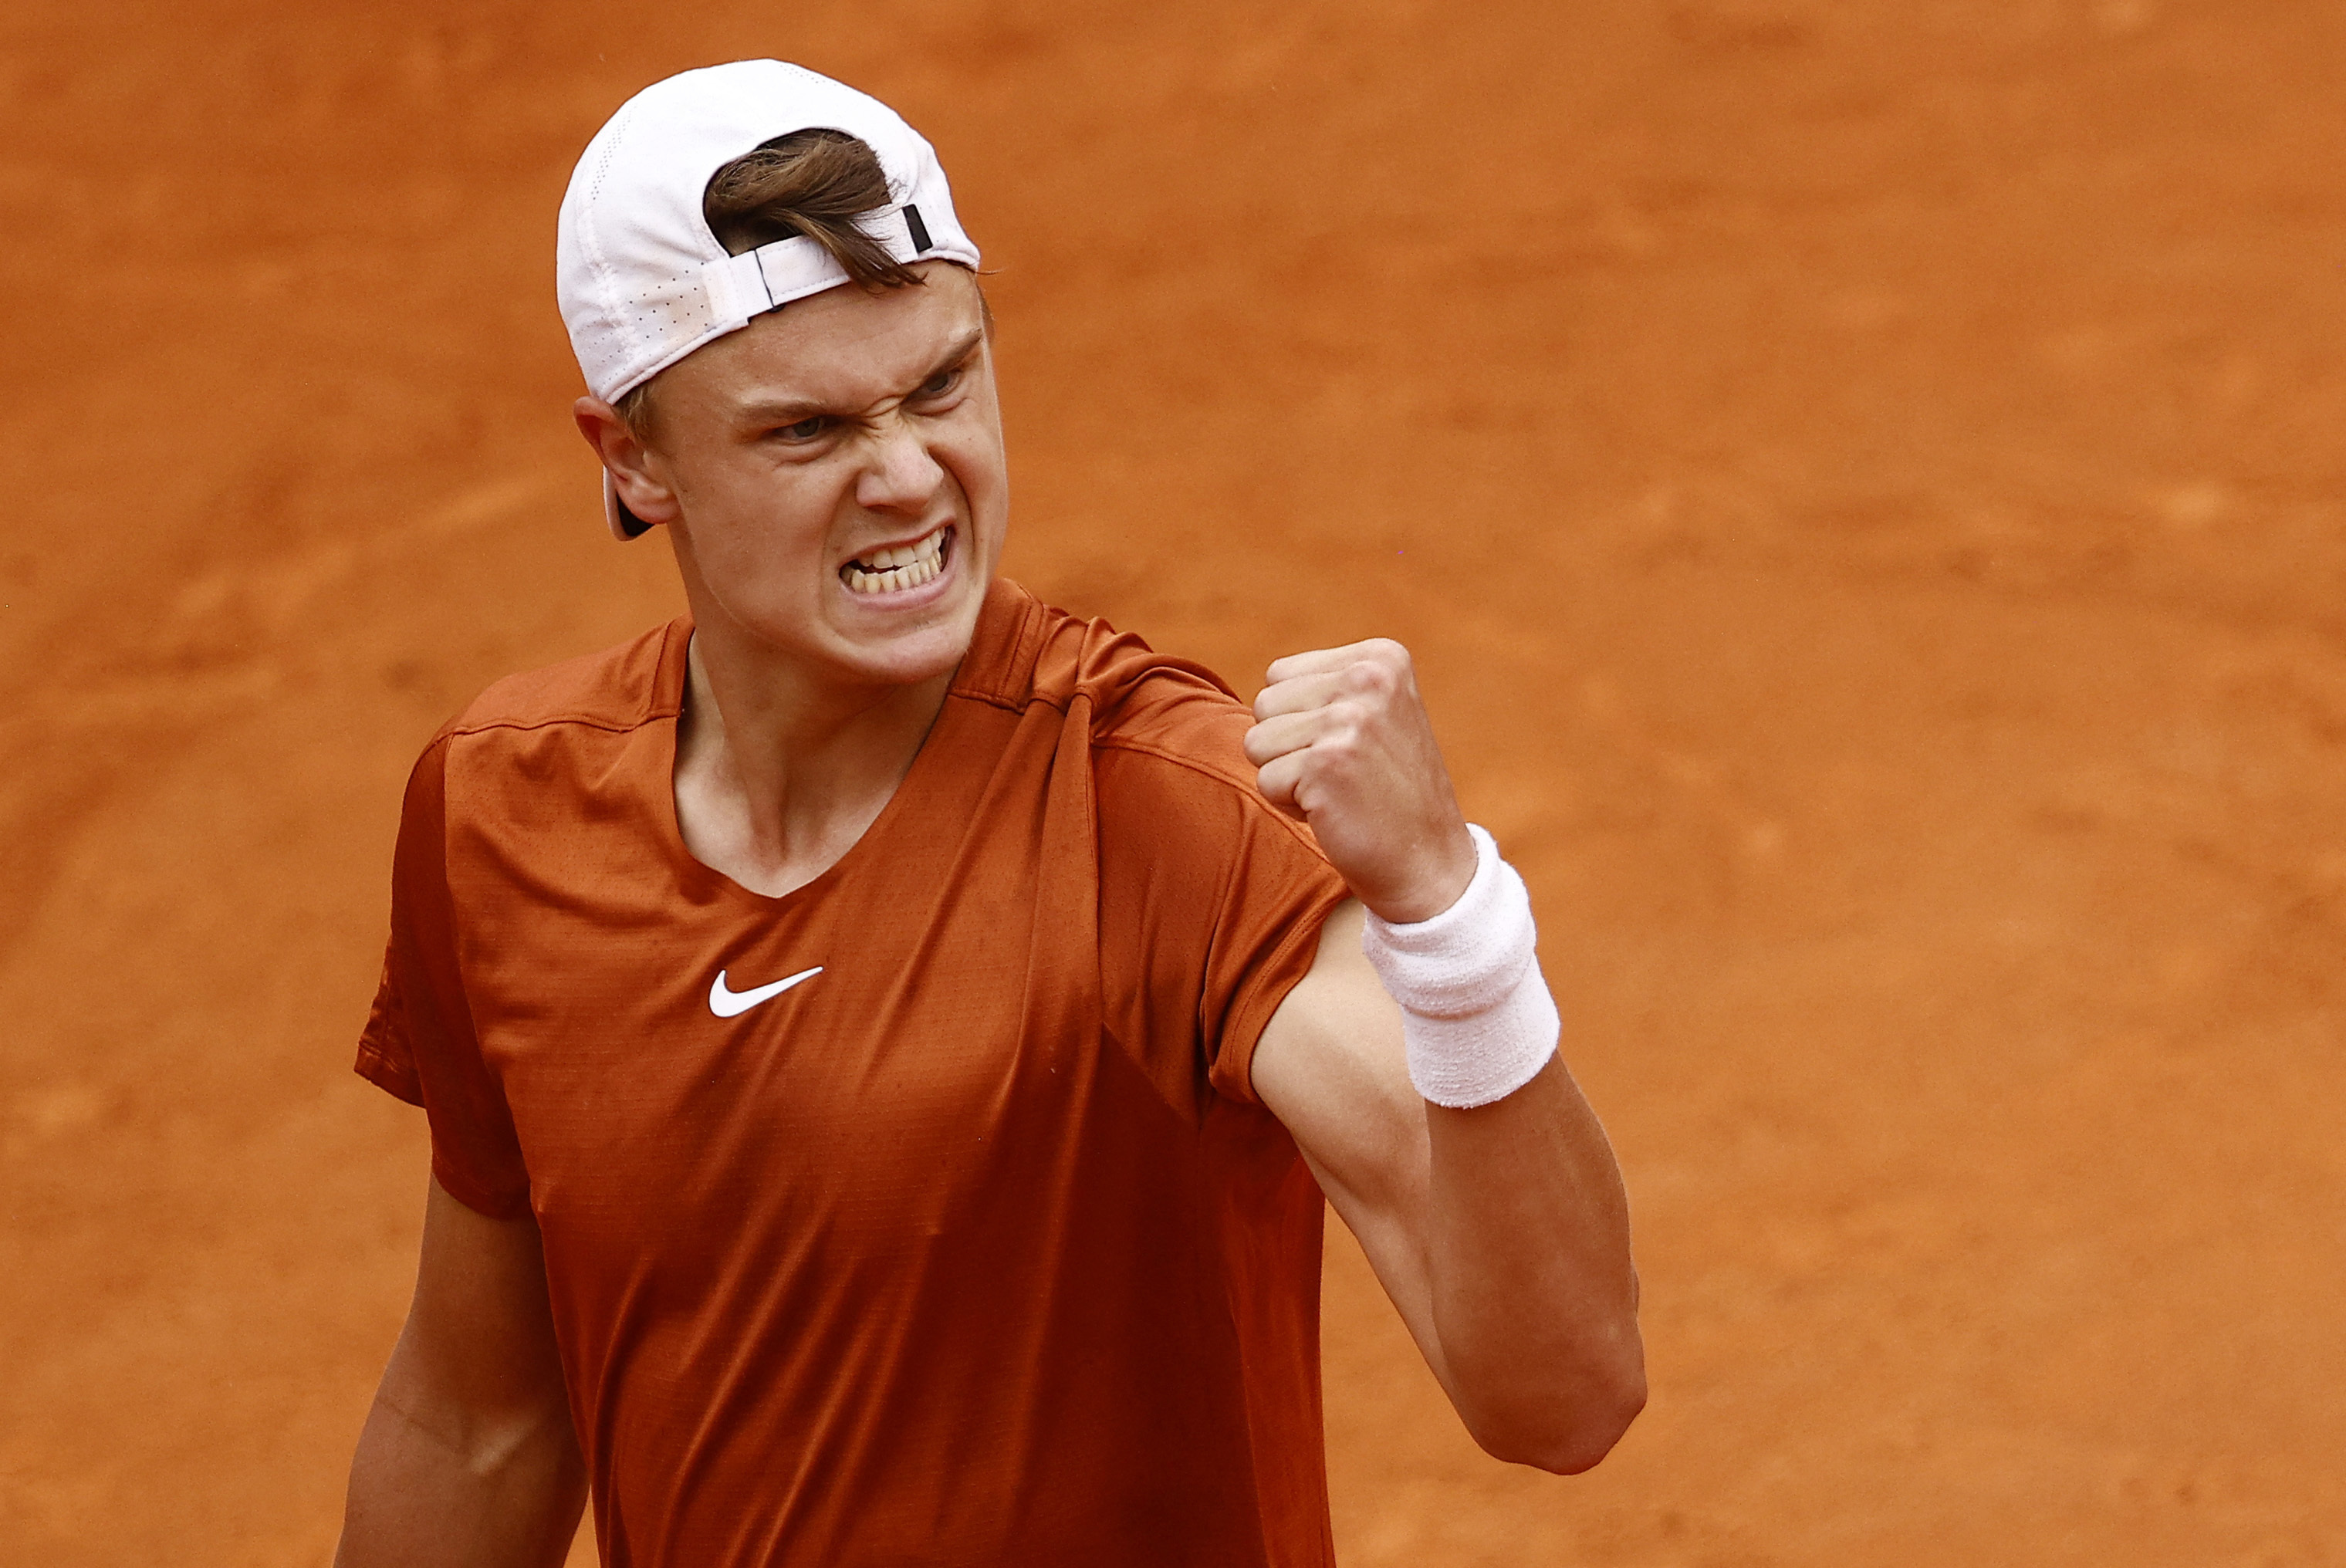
1343, 744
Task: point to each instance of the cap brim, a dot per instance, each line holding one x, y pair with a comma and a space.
624, 524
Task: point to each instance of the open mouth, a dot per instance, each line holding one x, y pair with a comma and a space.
899, 566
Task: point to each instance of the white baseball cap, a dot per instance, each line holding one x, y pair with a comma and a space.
641, 279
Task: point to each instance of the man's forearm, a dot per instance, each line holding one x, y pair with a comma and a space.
1500, 1232
1525, 1231
433, 1492
1533, 1300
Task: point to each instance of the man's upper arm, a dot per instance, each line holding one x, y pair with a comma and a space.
478, 1351
469, 1455
1331, 1067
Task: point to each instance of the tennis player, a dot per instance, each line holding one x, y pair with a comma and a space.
886, 1041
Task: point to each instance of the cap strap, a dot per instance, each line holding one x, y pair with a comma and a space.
772, 276
736, 287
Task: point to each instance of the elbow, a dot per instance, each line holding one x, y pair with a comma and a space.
1569, 1433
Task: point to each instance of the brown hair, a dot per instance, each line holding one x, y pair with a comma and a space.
814, 183
809, 183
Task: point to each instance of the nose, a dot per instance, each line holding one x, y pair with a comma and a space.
903, 474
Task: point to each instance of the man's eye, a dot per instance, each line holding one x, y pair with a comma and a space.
806, 429
939, 384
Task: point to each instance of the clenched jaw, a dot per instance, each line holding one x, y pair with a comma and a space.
899, 568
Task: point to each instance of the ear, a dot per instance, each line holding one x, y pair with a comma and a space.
630, 463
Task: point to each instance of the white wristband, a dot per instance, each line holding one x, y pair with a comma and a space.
1475, 1014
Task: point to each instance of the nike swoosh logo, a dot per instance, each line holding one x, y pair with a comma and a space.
728, 1004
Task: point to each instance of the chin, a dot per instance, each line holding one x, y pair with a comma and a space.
917, 660
917, 654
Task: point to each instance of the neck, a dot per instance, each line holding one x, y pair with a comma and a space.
779, 773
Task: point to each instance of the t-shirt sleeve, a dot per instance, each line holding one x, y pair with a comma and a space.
1212, 900
419, 1043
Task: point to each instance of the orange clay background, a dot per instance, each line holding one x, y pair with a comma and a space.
1864, 483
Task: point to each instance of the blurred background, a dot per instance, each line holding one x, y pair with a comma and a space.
1863, 481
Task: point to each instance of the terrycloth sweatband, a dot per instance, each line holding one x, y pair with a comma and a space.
1475, 1014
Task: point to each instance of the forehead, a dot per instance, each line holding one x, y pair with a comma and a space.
842, 350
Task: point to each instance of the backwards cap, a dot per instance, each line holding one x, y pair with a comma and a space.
642, 280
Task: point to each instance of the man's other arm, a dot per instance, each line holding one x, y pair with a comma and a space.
468, 1458
1501, 1232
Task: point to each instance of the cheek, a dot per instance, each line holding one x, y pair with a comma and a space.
765, 526
975, 458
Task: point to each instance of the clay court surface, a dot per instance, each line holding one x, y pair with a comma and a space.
1863, 482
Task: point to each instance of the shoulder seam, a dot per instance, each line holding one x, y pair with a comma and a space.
1113, 742
481, 726
1247, 794
1011, 704
647, 710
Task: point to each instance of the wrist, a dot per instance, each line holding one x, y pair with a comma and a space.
1435, 885
1476, 1017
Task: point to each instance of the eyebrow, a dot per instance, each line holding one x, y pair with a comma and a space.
790, 411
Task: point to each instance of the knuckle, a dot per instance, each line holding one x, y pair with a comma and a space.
1395, 667
1339, 750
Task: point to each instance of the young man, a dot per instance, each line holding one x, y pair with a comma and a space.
885, 1040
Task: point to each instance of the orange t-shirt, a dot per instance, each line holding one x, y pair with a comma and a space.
974, 1247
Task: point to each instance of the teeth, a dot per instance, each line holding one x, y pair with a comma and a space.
898, 568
